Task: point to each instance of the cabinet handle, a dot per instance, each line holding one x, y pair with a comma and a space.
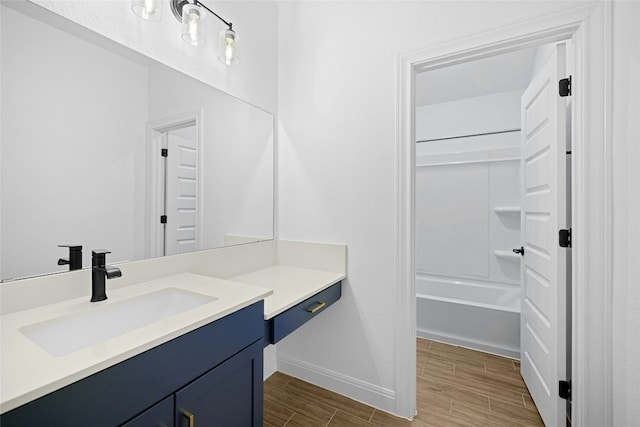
189, 417
317, 307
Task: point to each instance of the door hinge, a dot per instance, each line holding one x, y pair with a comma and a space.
163, 219
564, 389
564, 238
565, 87
164, 152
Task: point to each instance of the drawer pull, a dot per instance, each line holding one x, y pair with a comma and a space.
189, 417
317, 307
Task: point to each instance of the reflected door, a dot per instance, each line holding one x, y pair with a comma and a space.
181, 192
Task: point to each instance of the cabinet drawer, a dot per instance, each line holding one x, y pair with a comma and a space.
284, 323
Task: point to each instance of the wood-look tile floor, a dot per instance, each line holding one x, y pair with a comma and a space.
456, 387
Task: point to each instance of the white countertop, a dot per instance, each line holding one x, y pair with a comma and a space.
28, 372
291, 285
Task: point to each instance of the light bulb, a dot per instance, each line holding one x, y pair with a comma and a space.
193, 25
228, 47
150, 6
194, 20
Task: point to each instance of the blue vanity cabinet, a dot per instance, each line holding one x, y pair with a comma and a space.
288, 321
159, 415
214, 372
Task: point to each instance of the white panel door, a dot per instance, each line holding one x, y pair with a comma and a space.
181, 229
543, 166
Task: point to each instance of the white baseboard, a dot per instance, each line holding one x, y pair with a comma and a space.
270, 359
353, 388
475, 345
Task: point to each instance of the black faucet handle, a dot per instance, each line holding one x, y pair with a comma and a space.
75, 257
100, 252
99, 257
71, 247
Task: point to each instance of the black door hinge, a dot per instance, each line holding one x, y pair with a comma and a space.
163, 219
564, 389
564, 238
565, 87
164, 152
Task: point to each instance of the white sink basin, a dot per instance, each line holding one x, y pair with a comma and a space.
64, 335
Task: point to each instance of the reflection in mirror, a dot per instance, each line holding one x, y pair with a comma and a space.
84, 130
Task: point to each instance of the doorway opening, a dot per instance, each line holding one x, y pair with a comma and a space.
491, 190
173, 184
589, 28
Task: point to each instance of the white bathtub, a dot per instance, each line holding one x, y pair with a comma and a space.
477, 315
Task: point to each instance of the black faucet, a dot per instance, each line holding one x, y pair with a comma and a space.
100, 272
75, 257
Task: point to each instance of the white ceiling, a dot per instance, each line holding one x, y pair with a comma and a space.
507, 72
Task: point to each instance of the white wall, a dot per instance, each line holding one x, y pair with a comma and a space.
254, 79
626, 214
481, 114
44, 187
337, 107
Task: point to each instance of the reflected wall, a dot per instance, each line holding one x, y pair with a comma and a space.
75, 150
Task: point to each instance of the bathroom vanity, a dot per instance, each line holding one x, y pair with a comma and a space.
212, 374
203, 286
167, 351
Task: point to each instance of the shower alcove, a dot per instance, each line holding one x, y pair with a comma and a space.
467, 204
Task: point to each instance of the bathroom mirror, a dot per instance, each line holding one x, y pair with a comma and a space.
84, 131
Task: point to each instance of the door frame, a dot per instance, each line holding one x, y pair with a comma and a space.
155, 130
589, 27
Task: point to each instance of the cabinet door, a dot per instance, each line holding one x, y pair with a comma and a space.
159, 415
229, 395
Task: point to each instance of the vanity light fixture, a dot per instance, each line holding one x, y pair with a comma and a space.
193, 16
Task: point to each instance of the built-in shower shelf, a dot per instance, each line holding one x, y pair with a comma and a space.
508, 255
507, 210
